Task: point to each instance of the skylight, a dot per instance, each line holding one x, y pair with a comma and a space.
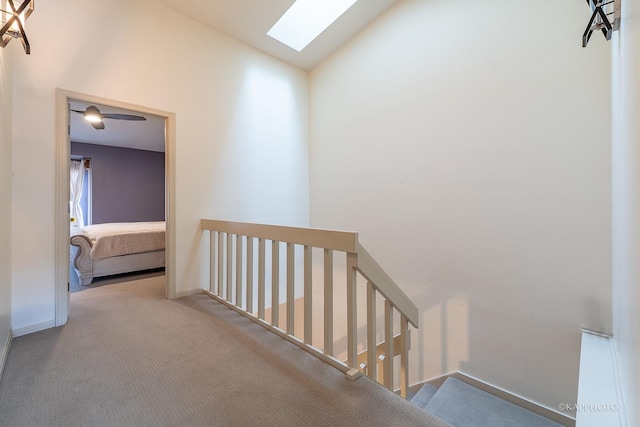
307, 19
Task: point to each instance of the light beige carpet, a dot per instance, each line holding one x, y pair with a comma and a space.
75, 286
129, 357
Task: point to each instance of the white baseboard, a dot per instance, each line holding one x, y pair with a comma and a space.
188, 292
523, 402
5, 353
34, 328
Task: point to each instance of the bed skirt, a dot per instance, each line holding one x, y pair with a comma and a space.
87, 268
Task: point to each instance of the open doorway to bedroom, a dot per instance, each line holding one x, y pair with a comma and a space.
118, 170
117, 185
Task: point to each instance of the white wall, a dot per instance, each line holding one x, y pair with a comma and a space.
626, 203
241, 149
468, 142
6, 96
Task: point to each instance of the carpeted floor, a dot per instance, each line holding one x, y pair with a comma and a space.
129, 357
75, 286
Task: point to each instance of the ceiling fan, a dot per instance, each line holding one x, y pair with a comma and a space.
93, 115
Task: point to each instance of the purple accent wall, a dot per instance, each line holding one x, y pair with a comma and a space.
128, 185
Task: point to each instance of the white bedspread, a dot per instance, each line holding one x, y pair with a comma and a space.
123, 238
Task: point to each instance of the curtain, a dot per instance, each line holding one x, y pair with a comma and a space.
76, 172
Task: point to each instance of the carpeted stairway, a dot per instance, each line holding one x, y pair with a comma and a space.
463, 405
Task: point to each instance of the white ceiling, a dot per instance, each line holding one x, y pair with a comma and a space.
141, 135
249, 20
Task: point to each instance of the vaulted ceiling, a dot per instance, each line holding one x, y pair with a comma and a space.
249, 20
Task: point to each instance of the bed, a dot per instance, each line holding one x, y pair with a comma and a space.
115, 248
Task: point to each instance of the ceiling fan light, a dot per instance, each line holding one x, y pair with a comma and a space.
92, 114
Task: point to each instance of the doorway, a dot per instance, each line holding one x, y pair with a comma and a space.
64, 102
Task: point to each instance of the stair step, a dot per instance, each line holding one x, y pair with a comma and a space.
424, 395
463, 405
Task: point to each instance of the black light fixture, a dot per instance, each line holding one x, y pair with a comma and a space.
14, 14
605, 17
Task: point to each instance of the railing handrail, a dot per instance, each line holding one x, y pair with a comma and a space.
345, 241
374, 273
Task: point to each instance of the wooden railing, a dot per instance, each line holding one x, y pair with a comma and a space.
237, 277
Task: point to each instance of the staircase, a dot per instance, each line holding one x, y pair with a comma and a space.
245, 275
463, 405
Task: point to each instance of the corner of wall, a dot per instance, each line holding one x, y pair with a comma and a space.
6, 205
625, 180
5, 353
618, 379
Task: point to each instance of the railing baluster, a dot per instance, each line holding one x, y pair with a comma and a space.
291, 288
212, 261
220, 262
261, 277
249, 274
225, 273
229, 267
275, 283
404, 355
388, 340
308, 292
352, 313
238, 270
328, 302
371, 332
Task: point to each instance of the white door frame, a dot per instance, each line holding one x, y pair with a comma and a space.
62, 192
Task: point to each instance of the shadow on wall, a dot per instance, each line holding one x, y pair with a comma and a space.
443, 335
449, 341
442, 343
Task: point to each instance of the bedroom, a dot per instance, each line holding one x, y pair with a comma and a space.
117, 179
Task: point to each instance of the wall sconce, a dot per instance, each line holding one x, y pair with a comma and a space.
605, 17
13, 19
